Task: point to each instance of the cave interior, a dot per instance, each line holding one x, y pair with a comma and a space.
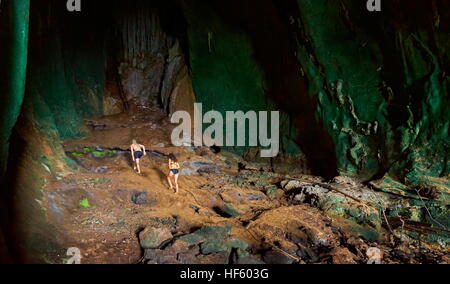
362, 97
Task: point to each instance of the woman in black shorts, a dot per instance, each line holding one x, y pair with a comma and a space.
174, 167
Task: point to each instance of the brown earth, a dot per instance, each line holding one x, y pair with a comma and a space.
106, 228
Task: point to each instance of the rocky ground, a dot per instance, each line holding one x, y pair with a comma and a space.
228, 210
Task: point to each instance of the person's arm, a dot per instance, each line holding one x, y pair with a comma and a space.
143, 148
132, 153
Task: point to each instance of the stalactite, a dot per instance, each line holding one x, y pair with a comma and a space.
142, 33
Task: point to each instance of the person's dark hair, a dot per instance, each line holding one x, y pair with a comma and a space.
173, 158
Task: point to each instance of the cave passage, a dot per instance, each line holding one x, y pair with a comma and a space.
363, 102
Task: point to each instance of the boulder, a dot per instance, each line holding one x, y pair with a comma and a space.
292, 184
227, 245
308, 255
256, 197
189, 256
205, 233
274, 257
249, 260
215, 258
154, 238
180, 246
343, 256
156, 256
212, 240
231, 210
273, 192
101, 170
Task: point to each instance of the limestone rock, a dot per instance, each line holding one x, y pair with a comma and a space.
343, 256
274, 257
140, 198
153, 238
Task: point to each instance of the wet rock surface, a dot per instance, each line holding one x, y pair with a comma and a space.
153, 238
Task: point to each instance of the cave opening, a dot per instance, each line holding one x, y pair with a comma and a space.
120, 57
136, 50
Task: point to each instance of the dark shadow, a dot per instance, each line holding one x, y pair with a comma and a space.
402, 17
162, 175
267, 24
19, 219
221, 213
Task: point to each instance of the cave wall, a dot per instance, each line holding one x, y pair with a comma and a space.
14, 20
234, 68
381, 84
73, 60
66, 72
90, 64
361, 94
371, 89
151, 54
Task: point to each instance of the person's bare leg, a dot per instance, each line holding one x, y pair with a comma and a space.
176, 183
170, 182
138, 165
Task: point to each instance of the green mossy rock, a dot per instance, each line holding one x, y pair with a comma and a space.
153, 238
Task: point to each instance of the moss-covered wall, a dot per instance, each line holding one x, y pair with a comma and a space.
362, 93
242, 58
381, 84
14, 21
368, 89
61, 84
66, 71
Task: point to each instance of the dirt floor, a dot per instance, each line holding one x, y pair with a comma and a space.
105, 207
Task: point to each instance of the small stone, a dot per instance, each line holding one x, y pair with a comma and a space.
140, 198
101, 170
195, 208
